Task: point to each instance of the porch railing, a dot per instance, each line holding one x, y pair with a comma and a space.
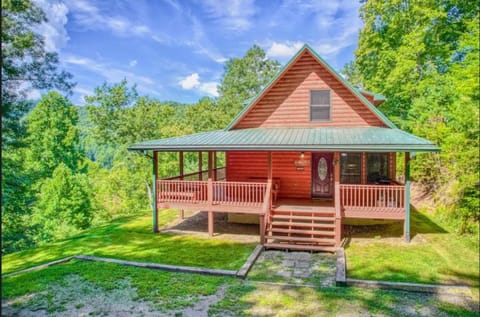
202, 175
384, 198
243, 194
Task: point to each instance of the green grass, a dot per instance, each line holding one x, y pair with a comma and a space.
247, 299
171, 292
132, 239
168, 290
433, 256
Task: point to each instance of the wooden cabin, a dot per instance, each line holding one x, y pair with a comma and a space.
307, 153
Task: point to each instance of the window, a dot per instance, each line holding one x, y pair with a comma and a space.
351, 168
378, 168
319, 105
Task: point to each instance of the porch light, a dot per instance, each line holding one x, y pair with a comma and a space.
302, 155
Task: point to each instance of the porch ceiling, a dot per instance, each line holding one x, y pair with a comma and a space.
356, 139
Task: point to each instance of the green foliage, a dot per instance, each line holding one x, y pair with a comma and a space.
63, 205
244, 78
25, 66
53, 136
424, 56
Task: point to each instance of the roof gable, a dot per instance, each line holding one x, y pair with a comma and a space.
307, 49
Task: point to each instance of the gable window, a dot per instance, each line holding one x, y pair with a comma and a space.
378, 168
350, 168
319, 105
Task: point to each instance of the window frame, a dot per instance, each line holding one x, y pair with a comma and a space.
388, 164
321, 106
360, 166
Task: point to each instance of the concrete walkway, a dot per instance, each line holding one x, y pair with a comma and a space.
317, 269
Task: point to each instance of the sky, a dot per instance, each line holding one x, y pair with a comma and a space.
176, 50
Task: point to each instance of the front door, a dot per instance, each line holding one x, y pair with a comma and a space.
322, 175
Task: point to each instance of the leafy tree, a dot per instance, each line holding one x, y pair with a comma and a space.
53, 136
106, 110
64, 205
423, 55
25, 66
244, 78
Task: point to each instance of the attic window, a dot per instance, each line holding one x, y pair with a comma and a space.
319, 105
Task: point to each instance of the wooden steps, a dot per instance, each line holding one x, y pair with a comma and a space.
302, 229
307, 232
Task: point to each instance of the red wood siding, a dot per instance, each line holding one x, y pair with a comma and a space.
287, 102
293, 183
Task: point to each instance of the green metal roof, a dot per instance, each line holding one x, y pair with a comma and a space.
351, 139
375, 95
354, 90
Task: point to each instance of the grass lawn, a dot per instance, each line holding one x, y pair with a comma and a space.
94, 288
433, 256
132, 239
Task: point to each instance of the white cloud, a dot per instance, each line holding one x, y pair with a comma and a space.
281, 50
210, 88
34, 94
53, 30
193, 82
233, 15
112, 74
133, 63
202, 44
89, 16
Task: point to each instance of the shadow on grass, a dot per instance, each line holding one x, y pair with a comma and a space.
370, 228
263, 299
199, 223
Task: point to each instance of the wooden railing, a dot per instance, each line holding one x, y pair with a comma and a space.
239, 193
202, 175
179, 191
212, 193
373, 198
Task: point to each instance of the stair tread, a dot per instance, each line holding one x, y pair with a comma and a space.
302, 239
314, 218
328, 212
309, 232
299, 247
302, 224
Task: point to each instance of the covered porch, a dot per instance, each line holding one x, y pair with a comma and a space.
276, 183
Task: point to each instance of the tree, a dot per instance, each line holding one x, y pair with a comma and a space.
25, 66
64, 205
424, 56
53, 136
244, 78
107, 110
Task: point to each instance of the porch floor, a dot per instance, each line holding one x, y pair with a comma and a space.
303, 205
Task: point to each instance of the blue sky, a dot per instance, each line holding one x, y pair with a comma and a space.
176, 50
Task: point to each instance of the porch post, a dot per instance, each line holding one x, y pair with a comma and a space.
210, 193
180, 163
200, 178
154, 191
338, 207
262, 218
214, 165
269, 164
406, 229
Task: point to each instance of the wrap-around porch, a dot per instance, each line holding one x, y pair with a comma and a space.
313, 220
